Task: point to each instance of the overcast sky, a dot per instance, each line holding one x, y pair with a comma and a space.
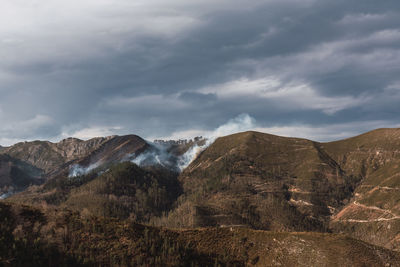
173, 68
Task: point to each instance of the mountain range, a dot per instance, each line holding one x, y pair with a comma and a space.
272, 200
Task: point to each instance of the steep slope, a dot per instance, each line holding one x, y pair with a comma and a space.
49, 156
127, 191
373, 214
115, 149
366, 153
269, 182
124, 191
16, 175
56, 159
59, 237
266, 182
100, 184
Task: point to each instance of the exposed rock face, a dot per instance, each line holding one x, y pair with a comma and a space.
115, 150
32, 163
54, 157
50, 156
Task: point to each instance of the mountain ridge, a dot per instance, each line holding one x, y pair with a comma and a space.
244, 180
47, 155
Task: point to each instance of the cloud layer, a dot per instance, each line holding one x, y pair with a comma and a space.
164, 68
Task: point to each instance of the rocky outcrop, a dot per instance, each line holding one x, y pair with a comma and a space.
49, 156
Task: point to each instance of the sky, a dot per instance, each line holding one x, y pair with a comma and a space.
318, 69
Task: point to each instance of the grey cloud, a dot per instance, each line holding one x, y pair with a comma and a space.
143, 68
198, 98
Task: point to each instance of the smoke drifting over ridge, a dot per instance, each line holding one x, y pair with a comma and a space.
241, 123
161, 155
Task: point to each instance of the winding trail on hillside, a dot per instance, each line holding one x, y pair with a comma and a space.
395, 216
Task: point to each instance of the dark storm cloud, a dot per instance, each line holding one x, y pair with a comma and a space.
197, 98
154, 67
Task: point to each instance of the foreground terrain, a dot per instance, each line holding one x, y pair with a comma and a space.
58, 237
247, 199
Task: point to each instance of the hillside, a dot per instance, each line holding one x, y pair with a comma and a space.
105, 183
124, 191
245, 180
114, 151
373, 214
275, 183
60, 237
49, 156
16, 175
58, 158
266, 182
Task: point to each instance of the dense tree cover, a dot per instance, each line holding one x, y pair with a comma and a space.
123, 191
29, 237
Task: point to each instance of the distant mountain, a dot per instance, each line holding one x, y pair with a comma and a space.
32, 163
113, 150
78, 157
49, 156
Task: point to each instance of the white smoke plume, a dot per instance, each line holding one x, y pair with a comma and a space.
156, 155
6, 195
241, 123
159, 155
78, 170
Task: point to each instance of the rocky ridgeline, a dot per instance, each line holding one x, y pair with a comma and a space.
48, 156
